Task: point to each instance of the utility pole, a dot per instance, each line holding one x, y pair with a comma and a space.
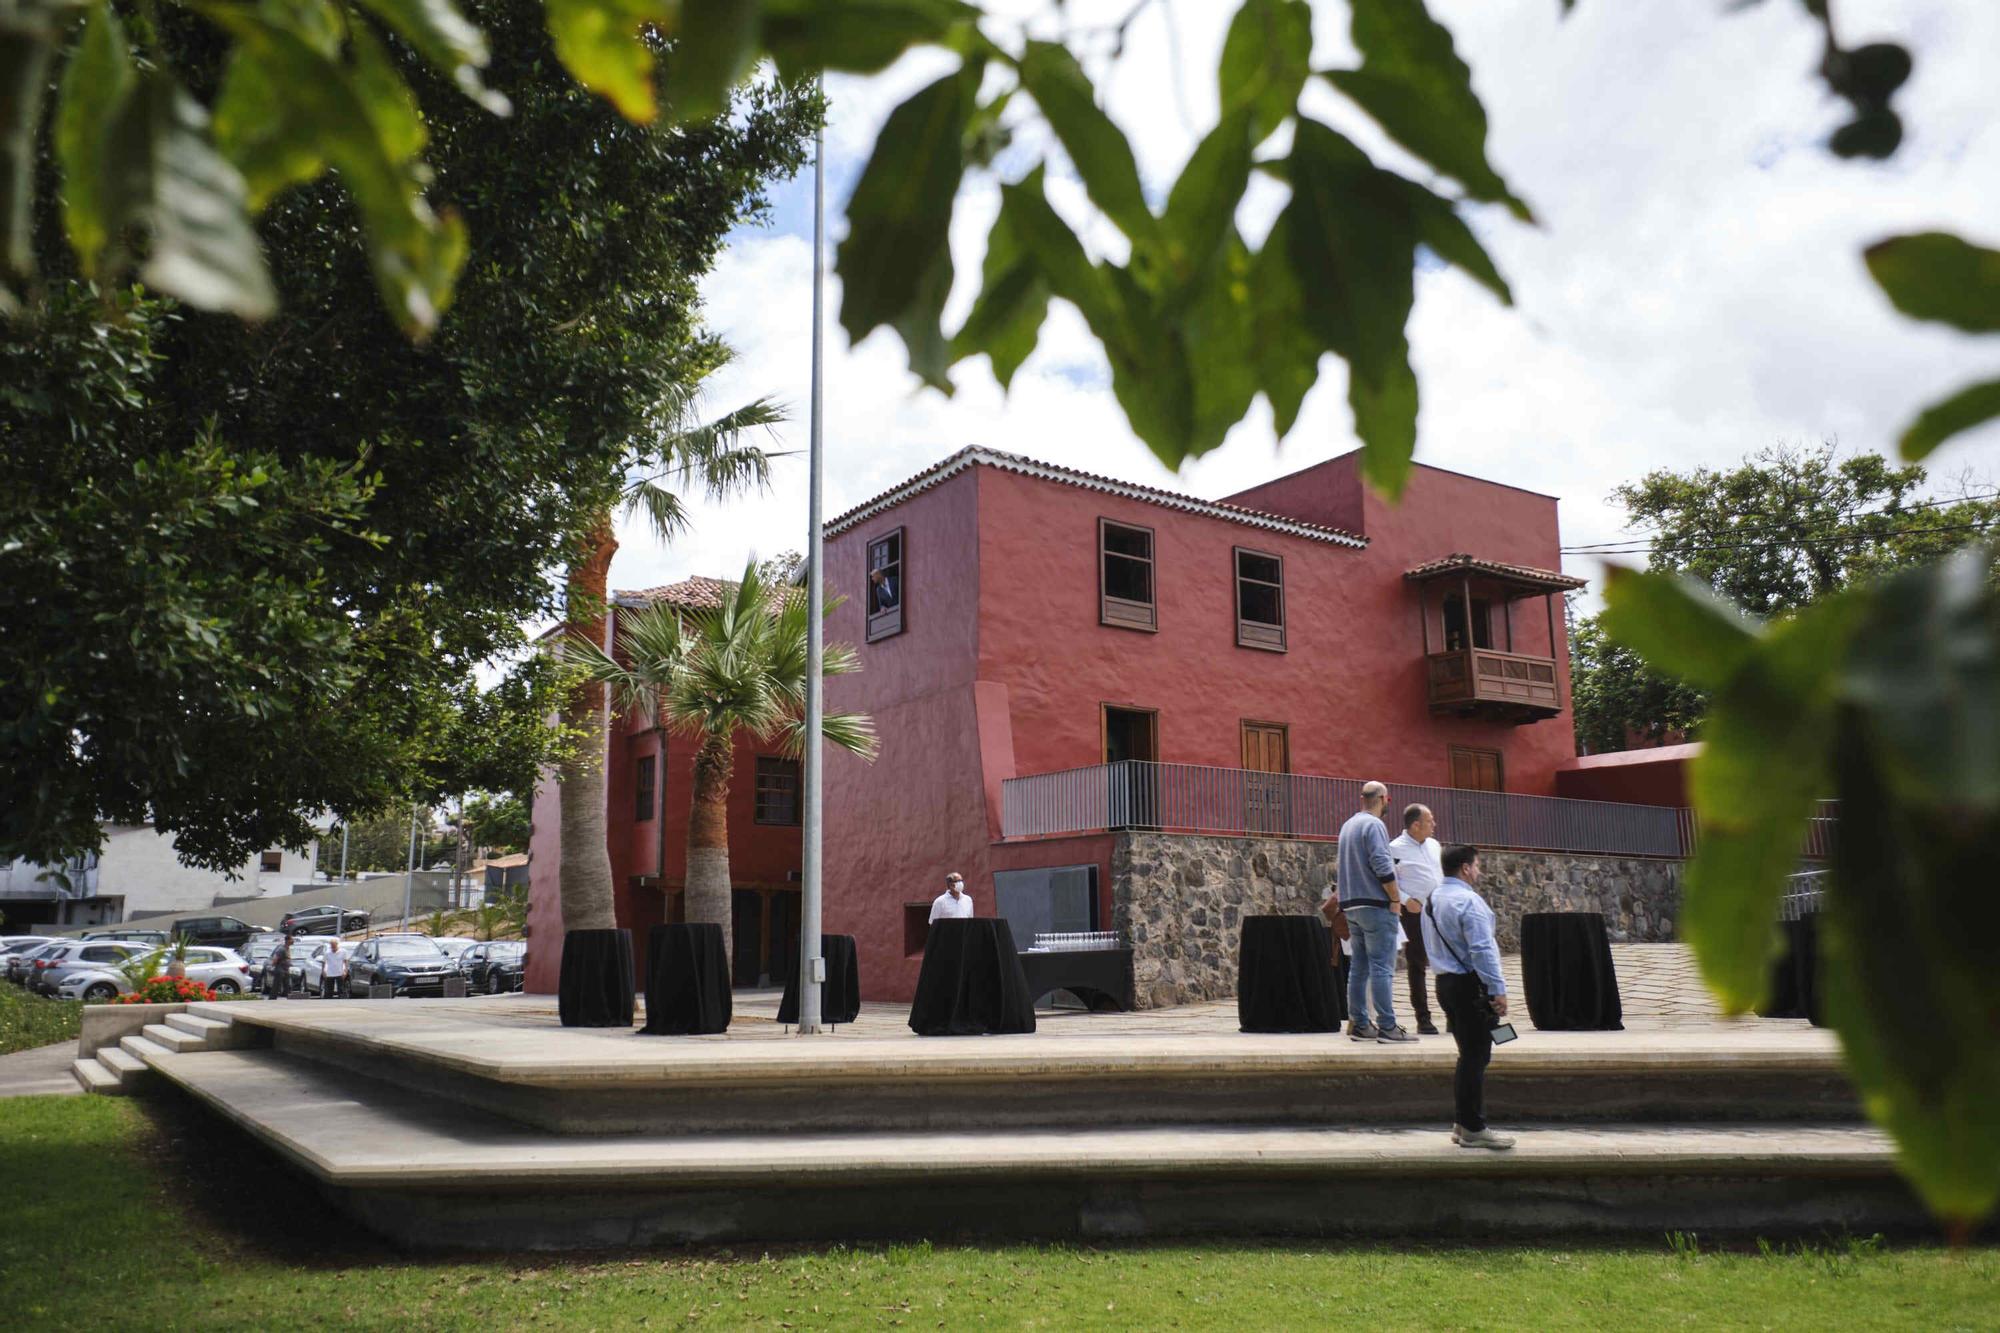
812, 967
343, 851
410, 876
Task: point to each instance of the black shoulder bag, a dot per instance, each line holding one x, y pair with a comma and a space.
1503, 1032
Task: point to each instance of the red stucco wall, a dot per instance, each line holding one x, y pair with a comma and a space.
1637, 777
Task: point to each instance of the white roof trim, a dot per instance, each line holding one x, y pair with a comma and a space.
1029, 467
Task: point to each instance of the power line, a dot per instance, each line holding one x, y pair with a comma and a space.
1830, 539
1640, 543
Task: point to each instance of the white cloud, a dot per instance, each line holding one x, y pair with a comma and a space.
1694, 291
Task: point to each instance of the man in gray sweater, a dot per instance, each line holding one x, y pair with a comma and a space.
1373, 903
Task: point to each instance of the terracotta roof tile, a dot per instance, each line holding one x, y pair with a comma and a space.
1460, 563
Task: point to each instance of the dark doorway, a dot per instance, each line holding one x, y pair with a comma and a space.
1454, 624
783, 936
1131, 748
746, 937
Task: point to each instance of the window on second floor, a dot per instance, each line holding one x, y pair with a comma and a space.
645, 789
271, 861
1125, 576
1455, 626
777, 790
1260, 600
885, 586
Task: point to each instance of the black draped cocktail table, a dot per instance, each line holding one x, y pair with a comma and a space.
1566, 970
594, 988
1285, 980
687, 980
971, 981
1101, 978
840, 1000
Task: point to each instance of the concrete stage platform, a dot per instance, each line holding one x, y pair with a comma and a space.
482, 1122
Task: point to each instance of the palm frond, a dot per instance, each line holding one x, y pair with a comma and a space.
663, 509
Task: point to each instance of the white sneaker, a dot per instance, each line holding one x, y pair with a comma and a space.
1480, 1138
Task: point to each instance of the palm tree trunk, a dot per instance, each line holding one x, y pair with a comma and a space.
587, 902
708, 890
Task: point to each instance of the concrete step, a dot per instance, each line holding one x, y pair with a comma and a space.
95, 1077
607, 1081
172, 1038
121, 1062
429, 1173
142, 1049
196, 1025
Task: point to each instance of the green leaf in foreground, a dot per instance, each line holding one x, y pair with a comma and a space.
899, 215
1677, 625
1266, 59
598, 41
1935, 275
28, 36
1095, 145
93, 87
164, 173
1006, 319
1415, 86
1971, 406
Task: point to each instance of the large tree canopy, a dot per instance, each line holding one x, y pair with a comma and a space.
249, 570
1788, 526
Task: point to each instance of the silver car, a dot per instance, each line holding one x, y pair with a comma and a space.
221, 970
57, 961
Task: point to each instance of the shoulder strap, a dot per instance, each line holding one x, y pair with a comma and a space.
1429, 906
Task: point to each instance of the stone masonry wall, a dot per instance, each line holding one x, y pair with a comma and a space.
1180, 899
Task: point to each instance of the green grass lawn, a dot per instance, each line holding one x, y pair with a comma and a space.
122, 1215
28, 1021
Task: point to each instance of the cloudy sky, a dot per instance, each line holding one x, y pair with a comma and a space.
1694, 291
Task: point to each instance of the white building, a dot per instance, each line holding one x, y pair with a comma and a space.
136, 874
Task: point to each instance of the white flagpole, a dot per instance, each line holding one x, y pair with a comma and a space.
812, 967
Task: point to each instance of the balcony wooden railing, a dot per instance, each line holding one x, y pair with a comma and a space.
1483, 680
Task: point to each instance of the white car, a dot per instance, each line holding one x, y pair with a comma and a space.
58, 960
222, 970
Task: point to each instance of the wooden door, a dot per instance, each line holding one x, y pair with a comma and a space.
1477, 770
1266, 750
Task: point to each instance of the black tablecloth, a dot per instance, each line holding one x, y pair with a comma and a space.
1567, 972
840, 994
971, 981
1795, 991
1101, 978
687, 980
595, 988
1285, 980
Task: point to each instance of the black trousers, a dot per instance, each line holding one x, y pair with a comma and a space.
1471, 1020
1417, 960
333, 988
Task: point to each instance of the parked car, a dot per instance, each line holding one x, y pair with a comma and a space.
14, 955
93, 984
412, 964
136, 936
306, 953
494, 968
57, 959
224, 971
257, 952
326, 919
225, 932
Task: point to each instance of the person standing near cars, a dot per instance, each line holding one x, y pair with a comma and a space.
278, 967
1458, 930
333, 972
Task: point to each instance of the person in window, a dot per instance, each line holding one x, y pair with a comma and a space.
882, 590
954, 902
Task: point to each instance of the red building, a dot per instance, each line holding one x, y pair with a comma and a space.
1015, 618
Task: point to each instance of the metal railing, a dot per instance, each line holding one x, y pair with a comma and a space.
1805, 892
1195, 798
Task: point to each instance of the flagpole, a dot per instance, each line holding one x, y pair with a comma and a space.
812, 967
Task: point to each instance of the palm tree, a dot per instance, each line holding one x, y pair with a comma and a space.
675, 455
708, 675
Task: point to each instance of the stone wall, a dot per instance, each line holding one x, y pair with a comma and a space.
1180, 900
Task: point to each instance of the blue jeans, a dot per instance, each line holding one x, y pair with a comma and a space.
1371, 933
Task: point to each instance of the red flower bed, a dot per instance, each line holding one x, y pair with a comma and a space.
167, 990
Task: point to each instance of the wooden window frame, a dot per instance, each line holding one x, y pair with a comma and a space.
1104, 711
1452, 753
797, 777
887, 624
645, 789
1123, 612
268, 862
1256, 633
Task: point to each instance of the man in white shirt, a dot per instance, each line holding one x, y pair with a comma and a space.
333, 972
954, 902
1419, 869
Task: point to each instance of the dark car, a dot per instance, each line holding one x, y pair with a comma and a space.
224, 932
494, 967
411, 964
326, 919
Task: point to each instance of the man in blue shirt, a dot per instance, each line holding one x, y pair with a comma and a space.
1458, 935
1366, 876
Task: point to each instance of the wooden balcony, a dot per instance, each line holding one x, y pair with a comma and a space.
1506, 687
